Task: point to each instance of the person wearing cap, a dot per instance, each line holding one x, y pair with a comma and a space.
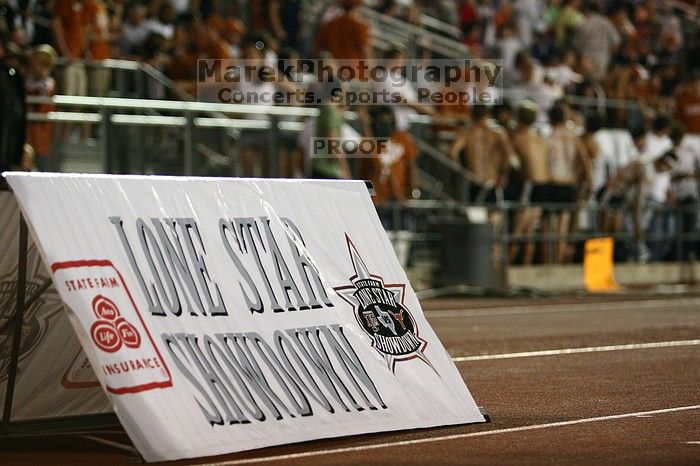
39, 82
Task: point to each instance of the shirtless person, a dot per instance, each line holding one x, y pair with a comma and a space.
567, 158
483, 150
531, 149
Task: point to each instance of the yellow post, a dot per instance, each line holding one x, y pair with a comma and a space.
598, 265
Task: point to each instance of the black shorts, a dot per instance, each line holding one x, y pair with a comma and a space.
540, 193
563, 194
475, 190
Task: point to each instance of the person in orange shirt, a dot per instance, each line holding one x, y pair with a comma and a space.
69, 33
39, 82
347, 36
100, 45
392, 171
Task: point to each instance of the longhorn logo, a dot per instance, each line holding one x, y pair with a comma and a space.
380, 311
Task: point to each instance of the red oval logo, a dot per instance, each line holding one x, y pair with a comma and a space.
104, 308
128, 333
105, 336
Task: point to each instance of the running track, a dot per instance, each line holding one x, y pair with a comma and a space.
577, 380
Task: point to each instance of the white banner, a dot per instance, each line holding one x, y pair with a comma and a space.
226, 314
54, 378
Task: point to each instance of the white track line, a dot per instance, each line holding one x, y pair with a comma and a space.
563, 307
482, 433
589, 349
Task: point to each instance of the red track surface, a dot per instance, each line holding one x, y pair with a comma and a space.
583, 408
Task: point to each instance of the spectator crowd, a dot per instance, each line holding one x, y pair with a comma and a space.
601, 99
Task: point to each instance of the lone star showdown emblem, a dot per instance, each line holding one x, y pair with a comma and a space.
379, 309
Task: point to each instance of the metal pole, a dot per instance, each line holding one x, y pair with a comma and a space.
104, 141
19, 317
188, 145
505, 240
680, 235
273, 157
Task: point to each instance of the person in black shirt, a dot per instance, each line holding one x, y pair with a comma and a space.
12, 109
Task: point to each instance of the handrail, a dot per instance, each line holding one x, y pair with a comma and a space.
433, 185
444, 160
518, 93
391, 26
132, 65
161, 120
153, 73
439, 25
111, 63
172, 105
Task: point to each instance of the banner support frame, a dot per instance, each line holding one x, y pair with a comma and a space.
34, 426
18, 316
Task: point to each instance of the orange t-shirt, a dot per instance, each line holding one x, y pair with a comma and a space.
98, 19
688, 112
344, 37
393, 171
72, 15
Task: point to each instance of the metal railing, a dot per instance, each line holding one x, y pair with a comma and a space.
115, 116
386, 29
678, 241
440, 26
129, 78
186, 118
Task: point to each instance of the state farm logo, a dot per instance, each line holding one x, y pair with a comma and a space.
111, 330
127, 359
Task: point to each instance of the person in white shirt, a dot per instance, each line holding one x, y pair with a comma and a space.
658, 140
164, 23
135, 29
656, 217
657, 160
616, 149
686, 187
622, 195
